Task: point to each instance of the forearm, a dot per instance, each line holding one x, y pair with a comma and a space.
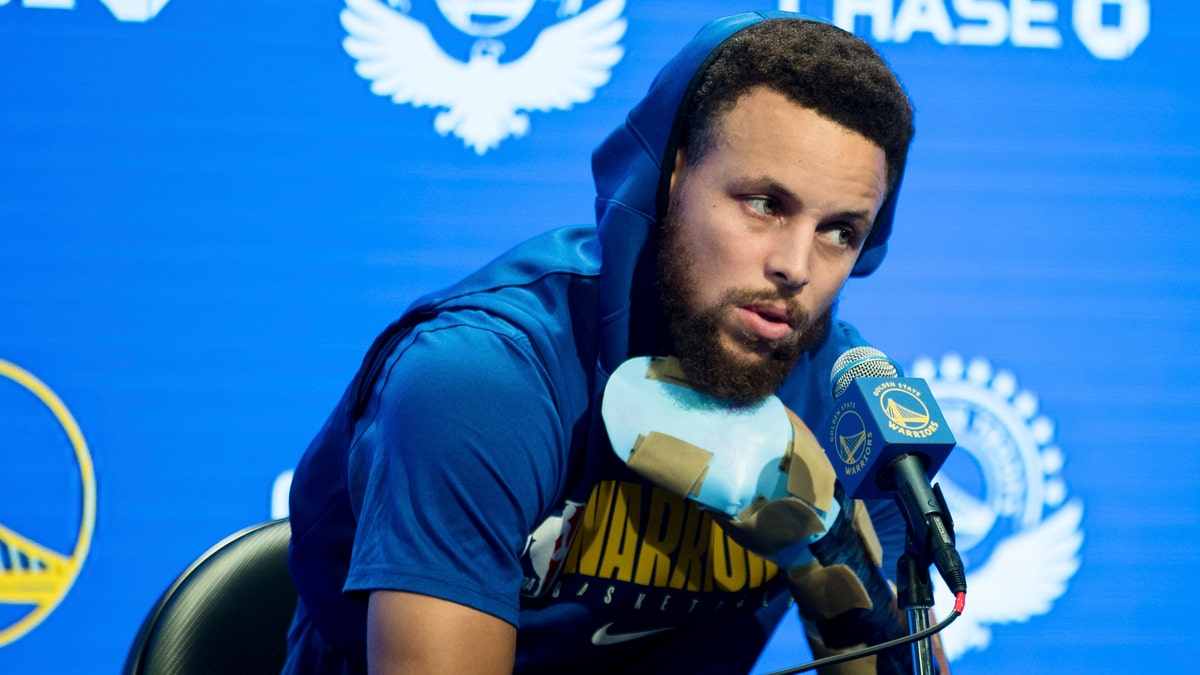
844, 599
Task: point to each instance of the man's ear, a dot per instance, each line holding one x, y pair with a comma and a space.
680, 167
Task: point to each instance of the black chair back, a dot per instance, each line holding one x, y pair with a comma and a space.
228, 612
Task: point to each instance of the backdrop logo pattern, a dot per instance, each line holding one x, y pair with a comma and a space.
134, 11
1019, 534
482, 99
34, 577
1109, 29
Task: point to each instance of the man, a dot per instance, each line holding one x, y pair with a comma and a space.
463, 510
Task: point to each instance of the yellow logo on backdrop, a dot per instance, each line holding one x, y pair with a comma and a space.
31, 573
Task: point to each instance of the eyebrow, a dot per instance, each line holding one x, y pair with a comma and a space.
765, 184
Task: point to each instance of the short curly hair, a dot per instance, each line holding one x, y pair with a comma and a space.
813, 64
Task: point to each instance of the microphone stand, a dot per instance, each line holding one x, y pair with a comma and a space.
915, 594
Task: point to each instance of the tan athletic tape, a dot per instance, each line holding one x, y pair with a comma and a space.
778, 523
810, 475
866, 532
826, 592
667, 370
670, 462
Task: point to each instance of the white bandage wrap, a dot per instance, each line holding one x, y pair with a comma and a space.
733, 460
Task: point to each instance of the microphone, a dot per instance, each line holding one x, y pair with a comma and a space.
887, 437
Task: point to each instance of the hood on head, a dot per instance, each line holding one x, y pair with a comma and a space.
632, 170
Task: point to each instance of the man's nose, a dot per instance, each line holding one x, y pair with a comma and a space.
788, 260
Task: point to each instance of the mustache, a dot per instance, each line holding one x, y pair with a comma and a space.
737, 297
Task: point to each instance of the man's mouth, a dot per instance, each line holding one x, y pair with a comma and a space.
770, 323
771, 314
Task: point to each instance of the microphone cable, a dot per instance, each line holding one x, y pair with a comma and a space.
960, 600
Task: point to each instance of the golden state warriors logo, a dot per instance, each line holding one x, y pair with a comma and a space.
906, 412
851, 439
468, 59
42, 546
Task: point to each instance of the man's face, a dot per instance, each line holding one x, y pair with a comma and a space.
760, 235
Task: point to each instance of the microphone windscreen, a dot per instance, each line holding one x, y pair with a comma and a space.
860, 362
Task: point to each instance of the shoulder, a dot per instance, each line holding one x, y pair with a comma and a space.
459, 361
462, 426
467, 389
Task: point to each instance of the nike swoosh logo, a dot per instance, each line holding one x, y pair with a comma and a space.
602, 637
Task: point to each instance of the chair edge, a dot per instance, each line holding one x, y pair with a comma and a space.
135, 660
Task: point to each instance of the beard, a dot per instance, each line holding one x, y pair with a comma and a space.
711, 367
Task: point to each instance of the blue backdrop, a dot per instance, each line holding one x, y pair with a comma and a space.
206, 215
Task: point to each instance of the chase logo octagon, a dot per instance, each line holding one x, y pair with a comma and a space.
1017, 530
401, 47
40, 443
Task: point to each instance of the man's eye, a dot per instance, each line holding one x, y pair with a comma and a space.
763, 205
843, 236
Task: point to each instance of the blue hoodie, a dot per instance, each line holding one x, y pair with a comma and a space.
467, 459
